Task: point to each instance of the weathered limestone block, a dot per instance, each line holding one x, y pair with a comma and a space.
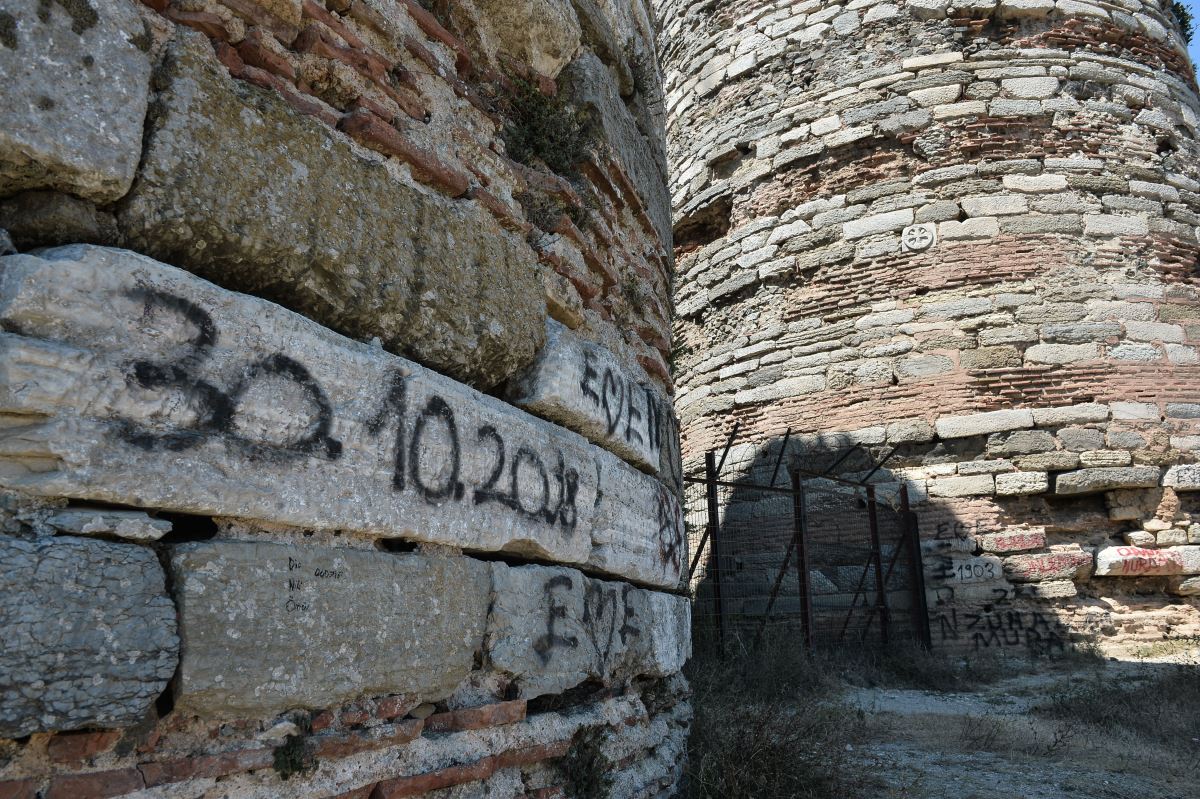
1022, 483
1140, 562
1012, 541
542, 33
553, 628
583, 386
76, 84
130, 524
1090, 481
1047, 566
1188, 586
971, 486
983, 423
592, 87
1183, 477
268, 627
141, 384
89, 634
237, 187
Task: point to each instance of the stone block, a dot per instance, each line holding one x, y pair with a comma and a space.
972, 486
877, 223
76, 86
583, 386
1171, 537
1049, 461
1183, 477
909, 431
995, 205
236, 186
551, 629
268, 627
1141, 562
1041, 566
958, 569
153, 388
1030, 88
1052, 589
1135, 411
89, 634
1061, 353
1012, 541
1113, 225
1104, 457
129, 524
1022, 483
1091, 481
1070, 414
544, 34
984, 227
979, 424
1188, 586
1020, 442
1080, 439
1139, 538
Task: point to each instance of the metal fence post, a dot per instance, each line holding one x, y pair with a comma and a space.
800, 532
714, 521
877, 550
916, 568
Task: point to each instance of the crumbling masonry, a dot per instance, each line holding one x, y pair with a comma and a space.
966, 229
336, 448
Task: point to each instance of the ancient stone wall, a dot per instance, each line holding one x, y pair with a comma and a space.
965, 229
337, 455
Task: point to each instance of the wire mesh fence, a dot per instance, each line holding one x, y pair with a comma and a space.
820, 562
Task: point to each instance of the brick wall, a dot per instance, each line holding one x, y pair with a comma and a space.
968, 231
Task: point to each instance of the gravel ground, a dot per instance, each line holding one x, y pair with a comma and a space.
987, 744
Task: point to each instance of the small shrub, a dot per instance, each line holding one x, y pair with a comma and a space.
587, 773
547, 129
1183, 15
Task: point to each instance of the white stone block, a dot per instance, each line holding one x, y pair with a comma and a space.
1022, 483
979, 424
150, 387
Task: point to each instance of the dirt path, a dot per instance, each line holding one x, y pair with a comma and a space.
988, 745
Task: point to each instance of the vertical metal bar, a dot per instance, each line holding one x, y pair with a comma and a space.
725, 452
800, 532
877, 551
711, 471
916, 571
779, 460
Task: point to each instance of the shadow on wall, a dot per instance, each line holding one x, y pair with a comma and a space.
944, 587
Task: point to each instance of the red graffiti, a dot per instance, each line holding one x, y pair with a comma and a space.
1145, 561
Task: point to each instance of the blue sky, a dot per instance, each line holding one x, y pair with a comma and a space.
1194, 47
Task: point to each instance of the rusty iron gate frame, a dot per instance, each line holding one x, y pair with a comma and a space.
798, 544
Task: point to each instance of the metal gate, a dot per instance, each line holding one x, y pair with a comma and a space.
815, 557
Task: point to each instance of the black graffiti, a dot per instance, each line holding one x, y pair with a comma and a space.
604, 608
545, 645
216, 409
984, 628
537, 485
631, 410
558, 486
437, 411
669, 534
608, 614
957, 530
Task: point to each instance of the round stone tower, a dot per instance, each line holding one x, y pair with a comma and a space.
966, 229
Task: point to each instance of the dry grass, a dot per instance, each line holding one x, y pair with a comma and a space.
769, 724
